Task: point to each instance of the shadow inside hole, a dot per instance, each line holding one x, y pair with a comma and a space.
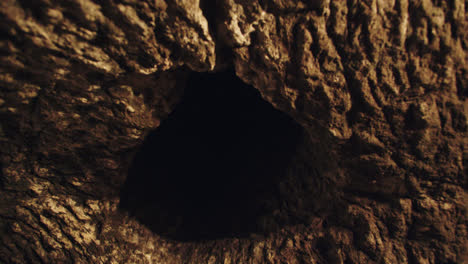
211, 169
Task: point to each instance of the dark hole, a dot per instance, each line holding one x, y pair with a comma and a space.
212, 168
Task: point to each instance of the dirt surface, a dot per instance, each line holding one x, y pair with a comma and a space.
357, 151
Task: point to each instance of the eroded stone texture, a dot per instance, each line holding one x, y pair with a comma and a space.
380, 86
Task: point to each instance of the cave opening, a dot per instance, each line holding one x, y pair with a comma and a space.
212, 168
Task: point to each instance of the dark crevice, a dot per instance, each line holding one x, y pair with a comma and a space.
224, 53
212, 168
461, 83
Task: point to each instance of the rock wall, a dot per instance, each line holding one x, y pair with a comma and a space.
380, 87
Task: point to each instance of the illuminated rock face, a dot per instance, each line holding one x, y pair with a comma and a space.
360, 120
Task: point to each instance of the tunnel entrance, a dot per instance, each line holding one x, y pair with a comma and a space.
211, 169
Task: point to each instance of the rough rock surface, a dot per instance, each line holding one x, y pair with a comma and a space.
380, 87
